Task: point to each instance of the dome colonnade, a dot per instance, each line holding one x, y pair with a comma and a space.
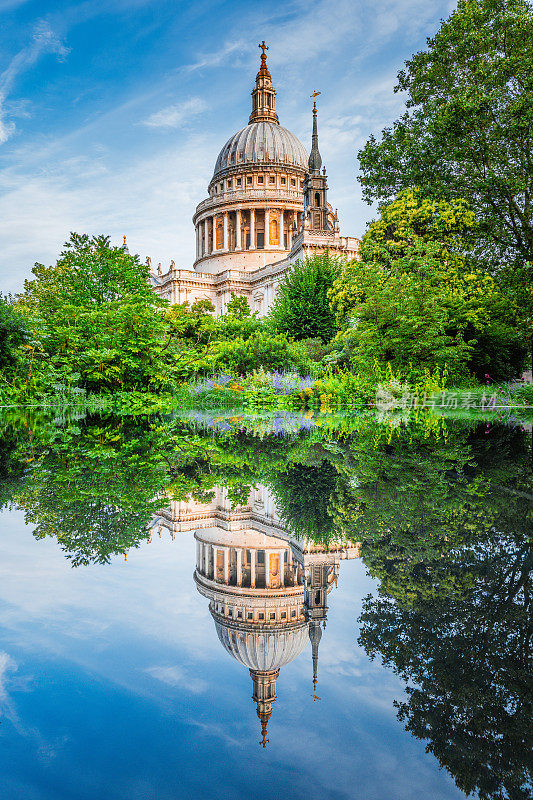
256, 598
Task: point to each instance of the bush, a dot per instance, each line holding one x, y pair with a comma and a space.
272, 352
13, 333
302, 309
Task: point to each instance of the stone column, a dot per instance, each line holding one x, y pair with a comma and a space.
214, 550
252, 569
282, 567
215, 248
226, 565
252, 229
282, 231
267, 231
226, 237
295, 219
198, 562
238, 245
206, 236
239, 566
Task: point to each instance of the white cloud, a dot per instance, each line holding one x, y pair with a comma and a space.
177, 115
6, 665
175, 676
150, 199
43, 40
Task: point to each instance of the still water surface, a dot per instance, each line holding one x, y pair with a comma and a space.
317, 611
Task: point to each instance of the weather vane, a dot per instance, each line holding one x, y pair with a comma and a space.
314, 97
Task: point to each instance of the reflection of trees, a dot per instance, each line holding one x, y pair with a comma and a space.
96, 486
302, 496
469, 655
454, 613
444, 523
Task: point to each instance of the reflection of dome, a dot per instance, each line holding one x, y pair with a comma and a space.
262, 648
262, 143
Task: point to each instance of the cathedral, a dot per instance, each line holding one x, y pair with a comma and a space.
266, 209
267, 591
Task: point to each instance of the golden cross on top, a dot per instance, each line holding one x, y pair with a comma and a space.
263, 46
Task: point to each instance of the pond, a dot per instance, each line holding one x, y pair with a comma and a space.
209, 604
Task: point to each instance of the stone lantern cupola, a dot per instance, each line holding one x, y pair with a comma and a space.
264, 94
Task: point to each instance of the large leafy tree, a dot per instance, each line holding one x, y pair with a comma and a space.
464, 648
98, 319
453, 615
301, 308
468, 129
415, 301
14, 332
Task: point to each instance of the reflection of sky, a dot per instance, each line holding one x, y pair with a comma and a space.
113, 684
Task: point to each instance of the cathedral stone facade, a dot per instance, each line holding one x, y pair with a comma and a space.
266, 209
267, 591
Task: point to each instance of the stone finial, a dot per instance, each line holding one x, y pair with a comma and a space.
172, 264
149, 263
264, 94
159, 269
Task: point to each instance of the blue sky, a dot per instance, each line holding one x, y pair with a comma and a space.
114, 685
112, 112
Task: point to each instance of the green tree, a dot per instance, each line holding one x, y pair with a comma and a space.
301, 309
97, 317
465, 653
414, 300
468, 129
447, 531
14, 332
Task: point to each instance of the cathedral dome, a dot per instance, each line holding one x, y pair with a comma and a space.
263, 143
265, 649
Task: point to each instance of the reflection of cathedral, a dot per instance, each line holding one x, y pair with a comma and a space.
267, 208
267, 592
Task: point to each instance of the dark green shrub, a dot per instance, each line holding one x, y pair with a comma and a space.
302, 308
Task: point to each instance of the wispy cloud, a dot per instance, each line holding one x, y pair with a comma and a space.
218, 57
43, 40
6, 665
176, 676
177, 115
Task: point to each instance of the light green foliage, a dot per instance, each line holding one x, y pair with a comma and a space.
468, 129
238, 307
260, 349
415, 302
96, 319
301, 309
235, 341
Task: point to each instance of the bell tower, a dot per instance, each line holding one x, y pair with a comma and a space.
316, 185
264, 94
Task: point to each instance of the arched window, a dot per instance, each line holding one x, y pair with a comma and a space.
274, 231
